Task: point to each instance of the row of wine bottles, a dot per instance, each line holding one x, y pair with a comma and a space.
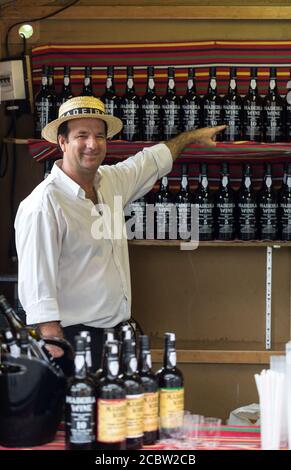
153, 118
224, 214
120, 405
19, 339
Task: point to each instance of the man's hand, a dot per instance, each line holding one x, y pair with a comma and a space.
49, 329
205, 137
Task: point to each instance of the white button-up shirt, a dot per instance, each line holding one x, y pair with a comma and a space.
66, 272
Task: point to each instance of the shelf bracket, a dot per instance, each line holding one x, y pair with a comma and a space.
269, 254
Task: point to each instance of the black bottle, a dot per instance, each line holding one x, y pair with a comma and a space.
212, 103
246, 207
51, 84
284, 211
108, 336
171, 386
135, 215
225, 207
134, 396
170, 108
66, 93
24, 343
183, 201
204, 198
191, 109
288, 110
151, 394
253, 110
267, 207
130, 109
232, 110
80, 410
165, 221
45, 104
111, 404
151, 110
11, 343
87, 85
110, 98
274, 112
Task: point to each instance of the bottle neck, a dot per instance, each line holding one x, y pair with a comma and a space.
232, 87
130, 85
171, 87
184, 183
224, 181
253, 89
151, 88
80, 365
203, 181
111, 366
268, 181
164, 184
212, 86
191, 86
273, 90
247, 182
110, 84
170, 358
145, 362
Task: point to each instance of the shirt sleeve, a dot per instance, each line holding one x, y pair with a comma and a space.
137, 175
38, 251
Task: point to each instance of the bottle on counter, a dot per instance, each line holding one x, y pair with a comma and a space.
191, 109
171, 386
225, 207
267, 207
232, 110
204, 198
111, 404
170, 108
151, 394
212, 103
247, 207
151, 110
130, 109
284, 211
253, 110
274, 110
80, 410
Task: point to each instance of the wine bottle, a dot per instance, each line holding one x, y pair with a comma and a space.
151, 110
52, 91
225, 207
267, 207
80, 409
212, 103
111, 404
191, 109
288, 110
253, 110
88, 85
11, 343
284, 211
110, 98
134, 396
165, 220
130, 109
108, 336
274, 111
232, 110
171, 386
44, 104
204, 199
170, 106
247, 207
66, 93
183, 201
135, 216
151, 395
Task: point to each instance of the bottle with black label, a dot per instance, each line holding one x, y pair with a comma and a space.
110, 98
212, 103
80, 410
108, 337
284, 211
66, 93
183, 201
134, 396
88, 85
274, 112
171, 386
151, 394
191, 110
130, 109
170, 108
111, 404
253, 110
151, 110
51, 85
247, 207
232, 110
267, 207
288, 110
225, 207
165, 221
44, 104
204, 198
135, 215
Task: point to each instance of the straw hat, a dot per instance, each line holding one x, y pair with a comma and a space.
81, 107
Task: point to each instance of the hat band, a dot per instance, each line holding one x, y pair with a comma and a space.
80, 111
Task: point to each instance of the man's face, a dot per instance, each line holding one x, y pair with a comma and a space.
84, 148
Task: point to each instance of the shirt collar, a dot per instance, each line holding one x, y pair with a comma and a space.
70, 184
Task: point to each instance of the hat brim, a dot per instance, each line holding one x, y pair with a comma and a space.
50, 131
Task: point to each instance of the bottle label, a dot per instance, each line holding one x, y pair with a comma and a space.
111, 420
212, 114
44, 113
274, 122
165, 218
268, 219
130, 118
190, 115
150, 120
225, 218
110, 106
171, 407
134, 407
82, 419
171, 119
232, 118
247, 217
205, 217
253, 121
151, 410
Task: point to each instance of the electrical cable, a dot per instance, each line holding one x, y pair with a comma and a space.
33, 20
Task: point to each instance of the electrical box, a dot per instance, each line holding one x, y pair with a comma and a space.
12, 84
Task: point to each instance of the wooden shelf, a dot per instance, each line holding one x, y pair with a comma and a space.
214, 244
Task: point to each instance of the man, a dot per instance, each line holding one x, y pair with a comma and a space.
70, 280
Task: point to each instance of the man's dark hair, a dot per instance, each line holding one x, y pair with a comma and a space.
63, 130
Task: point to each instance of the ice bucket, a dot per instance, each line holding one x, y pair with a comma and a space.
32, 395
